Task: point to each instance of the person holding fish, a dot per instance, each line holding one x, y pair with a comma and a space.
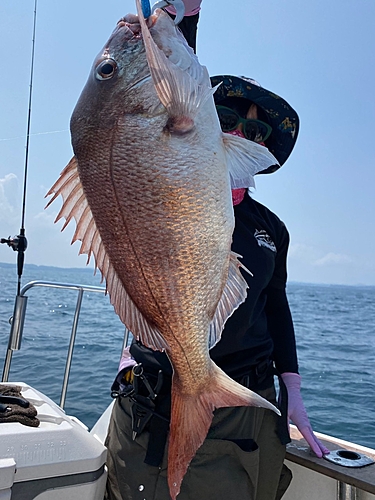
243, 454
194, 267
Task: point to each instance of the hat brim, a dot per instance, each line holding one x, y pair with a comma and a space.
281, 116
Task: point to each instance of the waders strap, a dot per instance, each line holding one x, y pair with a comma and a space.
282, 424
159, 428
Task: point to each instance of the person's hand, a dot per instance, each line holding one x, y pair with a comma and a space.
297, 413
127, 361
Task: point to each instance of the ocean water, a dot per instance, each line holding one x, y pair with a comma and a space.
335, 332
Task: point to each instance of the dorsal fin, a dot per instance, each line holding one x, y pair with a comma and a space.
75, 205
179, 92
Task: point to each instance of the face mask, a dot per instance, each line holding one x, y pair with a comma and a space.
237, 194
236, 132
239, 133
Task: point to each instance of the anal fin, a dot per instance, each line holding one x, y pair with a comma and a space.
234, 294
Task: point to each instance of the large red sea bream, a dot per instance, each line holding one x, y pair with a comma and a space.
150, 189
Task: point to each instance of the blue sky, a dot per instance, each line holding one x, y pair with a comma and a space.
318, 55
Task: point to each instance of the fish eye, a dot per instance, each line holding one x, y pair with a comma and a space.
106, 69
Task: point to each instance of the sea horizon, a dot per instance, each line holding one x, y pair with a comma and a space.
90, 268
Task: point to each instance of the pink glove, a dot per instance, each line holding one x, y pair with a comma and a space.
297, 413
126, 360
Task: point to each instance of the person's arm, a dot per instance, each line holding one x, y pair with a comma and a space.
189, 23
281, 329
279, 318
280, 325
192, 7
188, 26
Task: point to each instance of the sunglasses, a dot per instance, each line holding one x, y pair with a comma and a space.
254, 130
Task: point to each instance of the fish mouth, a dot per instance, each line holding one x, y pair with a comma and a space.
132, 24
131, 31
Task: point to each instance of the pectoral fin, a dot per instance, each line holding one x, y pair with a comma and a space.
245, 159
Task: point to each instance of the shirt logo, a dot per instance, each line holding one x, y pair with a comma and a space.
264, 240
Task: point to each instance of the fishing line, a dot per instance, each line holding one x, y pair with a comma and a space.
19, 243
34, 134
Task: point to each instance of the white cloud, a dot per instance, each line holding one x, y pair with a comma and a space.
310, 264
9, 203
45, 217
303, 253
333, 259
314, 257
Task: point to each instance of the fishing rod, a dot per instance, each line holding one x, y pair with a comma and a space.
19, 243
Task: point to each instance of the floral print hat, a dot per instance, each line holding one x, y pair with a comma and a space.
280, 115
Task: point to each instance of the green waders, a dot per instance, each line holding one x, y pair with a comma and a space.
241, 458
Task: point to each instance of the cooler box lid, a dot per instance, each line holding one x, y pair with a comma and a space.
60, 446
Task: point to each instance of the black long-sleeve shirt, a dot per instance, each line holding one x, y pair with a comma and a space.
262, 326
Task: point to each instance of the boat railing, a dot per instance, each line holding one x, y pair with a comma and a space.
18, 319
343, 482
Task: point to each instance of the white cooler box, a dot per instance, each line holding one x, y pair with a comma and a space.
59, 460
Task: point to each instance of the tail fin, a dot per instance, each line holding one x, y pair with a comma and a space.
191, 418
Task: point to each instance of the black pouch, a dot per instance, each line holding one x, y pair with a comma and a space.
150, 397
152, 361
